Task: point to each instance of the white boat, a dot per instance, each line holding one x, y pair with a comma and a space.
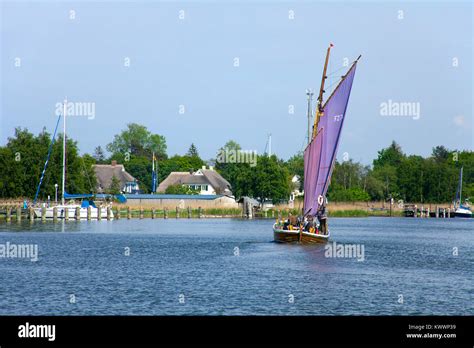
72, 207
460, 210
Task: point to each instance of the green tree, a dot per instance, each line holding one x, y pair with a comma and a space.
192, 152
138, 141
180, 190
114, 187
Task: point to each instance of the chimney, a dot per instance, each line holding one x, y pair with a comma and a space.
211, 168
114, 163
203, 167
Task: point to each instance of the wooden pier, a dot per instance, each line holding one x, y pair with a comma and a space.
429, 211
11, 213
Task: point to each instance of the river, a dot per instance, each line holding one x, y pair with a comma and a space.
232, 267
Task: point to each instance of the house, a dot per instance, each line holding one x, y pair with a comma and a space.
105, 172
206, 181
295, 187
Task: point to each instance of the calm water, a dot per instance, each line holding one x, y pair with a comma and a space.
196, 258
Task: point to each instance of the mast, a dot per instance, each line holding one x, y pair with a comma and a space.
309, 93
460, 188
64, 151
319, 111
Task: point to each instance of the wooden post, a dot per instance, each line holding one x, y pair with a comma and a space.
89, 212
416, 211
189, 212
117, 213
9, 214
199, 212
153, 213
141, 212
109, 215
428, 212
66, 213
43, 214
177, 212
31, 212
437, 212
78, 213
444, 213
55, 214
449, 212
165, 213
129, 213
18, 214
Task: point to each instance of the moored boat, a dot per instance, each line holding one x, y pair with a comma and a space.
319, 159
461, 210
87, 209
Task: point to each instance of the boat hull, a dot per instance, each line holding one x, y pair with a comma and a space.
295, 236
72, 212
463, 213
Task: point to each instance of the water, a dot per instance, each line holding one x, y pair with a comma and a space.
195, 261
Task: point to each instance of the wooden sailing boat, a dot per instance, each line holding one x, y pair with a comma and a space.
319, 159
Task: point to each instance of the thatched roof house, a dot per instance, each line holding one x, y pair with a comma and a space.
105, 172
206, 181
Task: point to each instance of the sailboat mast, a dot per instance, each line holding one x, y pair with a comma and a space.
460, 188
309, 93
319, 111
63, 187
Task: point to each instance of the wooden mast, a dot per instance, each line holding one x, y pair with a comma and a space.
319, 110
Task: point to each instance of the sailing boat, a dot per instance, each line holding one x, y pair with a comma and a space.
319, 158
87, 202
461, 210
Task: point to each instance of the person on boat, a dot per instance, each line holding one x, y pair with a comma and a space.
286, 224
322, 218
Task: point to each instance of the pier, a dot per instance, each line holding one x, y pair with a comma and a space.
428, 211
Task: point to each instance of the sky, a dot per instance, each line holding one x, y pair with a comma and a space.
205, 72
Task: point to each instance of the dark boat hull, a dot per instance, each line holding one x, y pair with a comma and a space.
293, 236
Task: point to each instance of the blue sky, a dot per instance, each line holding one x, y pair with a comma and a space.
190, 62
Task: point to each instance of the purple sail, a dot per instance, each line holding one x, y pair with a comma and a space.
320, 154
312, 160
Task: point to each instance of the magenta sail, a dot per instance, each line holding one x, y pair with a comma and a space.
320, 154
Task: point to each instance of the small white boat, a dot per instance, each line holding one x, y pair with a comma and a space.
460, 210
463, 212
71, 208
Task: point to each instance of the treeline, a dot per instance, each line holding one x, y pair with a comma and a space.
392, 175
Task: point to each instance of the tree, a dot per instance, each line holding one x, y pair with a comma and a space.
137, 140
99, 155
192, 152
114, 188
391, 155
295, 166
180, 190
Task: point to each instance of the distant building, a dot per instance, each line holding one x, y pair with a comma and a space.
206, 181
105, 172
295, 187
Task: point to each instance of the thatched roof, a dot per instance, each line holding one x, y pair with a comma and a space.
105, 172
201, 177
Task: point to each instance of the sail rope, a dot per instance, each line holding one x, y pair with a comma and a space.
47, 160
